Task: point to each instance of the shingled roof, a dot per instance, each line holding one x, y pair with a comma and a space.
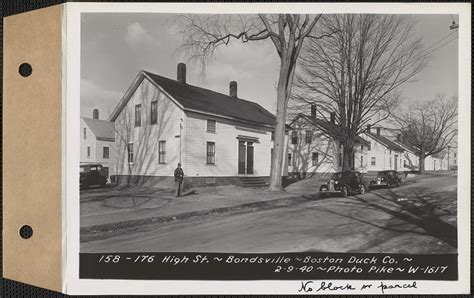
197, 99
102, 129
386, 142
205, 100
329, 128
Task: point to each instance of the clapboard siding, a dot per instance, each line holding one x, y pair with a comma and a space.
106, 162
329, 151
146, 137
89, 141
227, 143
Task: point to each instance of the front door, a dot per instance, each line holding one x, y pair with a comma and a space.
249, 158
242, 149
246, 155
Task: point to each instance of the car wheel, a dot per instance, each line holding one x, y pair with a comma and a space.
362, 189
344, 191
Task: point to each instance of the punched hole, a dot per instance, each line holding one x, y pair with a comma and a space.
25, 70
26, 232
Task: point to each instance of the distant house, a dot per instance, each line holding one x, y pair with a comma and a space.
437, 161
410, 159
218, 138
98, 142
315, 146
452, 158
383, 154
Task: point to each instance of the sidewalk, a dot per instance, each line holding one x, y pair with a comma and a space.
116, 208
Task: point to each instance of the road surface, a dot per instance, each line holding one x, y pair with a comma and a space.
417, 217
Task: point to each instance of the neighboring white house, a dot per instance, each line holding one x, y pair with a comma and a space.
383, 154
218, 138
98, 143
410, 159
315, 147
437, 162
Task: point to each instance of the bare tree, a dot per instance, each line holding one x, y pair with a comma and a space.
204, 34
136, 138
356, 72
429, 127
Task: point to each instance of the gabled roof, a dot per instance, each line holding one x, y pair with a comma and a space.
193, 98
385, 141
102, 129
407, 147
328, 127
440, 155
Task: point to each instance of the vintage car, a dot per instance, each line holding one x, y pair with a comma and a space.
91, 174
344, 183
387, 178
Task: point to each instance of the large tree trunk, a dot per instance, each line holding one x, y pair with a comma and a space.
347, 154
279, 143
421, 163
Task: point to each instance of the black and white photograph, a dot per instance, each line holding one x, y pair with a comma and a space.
268, 133
312, 140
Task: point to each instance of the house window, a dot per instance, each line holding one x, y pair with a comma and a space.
138, 115
88, 152
340, 159
390, 161
294, 137
289, 158
211, 153
361, 148
154, 112
211, 125
405, 163
85, 135
162, 152
130, 152
308, 136
372, 161
454, 152
361, 161
105, 152
105, 171
273, 136
315, 158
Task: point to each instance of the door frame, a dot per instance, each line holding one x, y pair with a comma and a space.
245, 157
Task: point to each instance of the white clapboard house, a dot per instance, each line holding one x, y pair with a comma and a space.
314, 146
384, 154
410, 159
218, 138
98, 143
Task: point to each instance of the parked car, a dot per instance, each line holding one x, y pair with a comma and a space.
344, 183
92, 174
387, 178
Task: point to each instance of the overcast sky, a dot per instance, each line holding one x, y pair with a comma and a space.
115, 47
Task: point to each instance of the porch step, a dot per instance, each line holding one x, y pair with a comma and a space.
253, 181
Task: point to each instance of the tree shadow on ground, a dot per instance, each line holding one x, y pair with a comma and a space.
420, 212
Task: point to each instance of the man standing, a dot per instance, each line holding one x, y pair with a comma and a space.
178, 178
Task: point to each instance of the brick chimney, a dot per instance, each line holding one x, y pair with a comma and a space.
233, 89
313, 111
181, 76
368, 128
378, 131
333, 118
95, 114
